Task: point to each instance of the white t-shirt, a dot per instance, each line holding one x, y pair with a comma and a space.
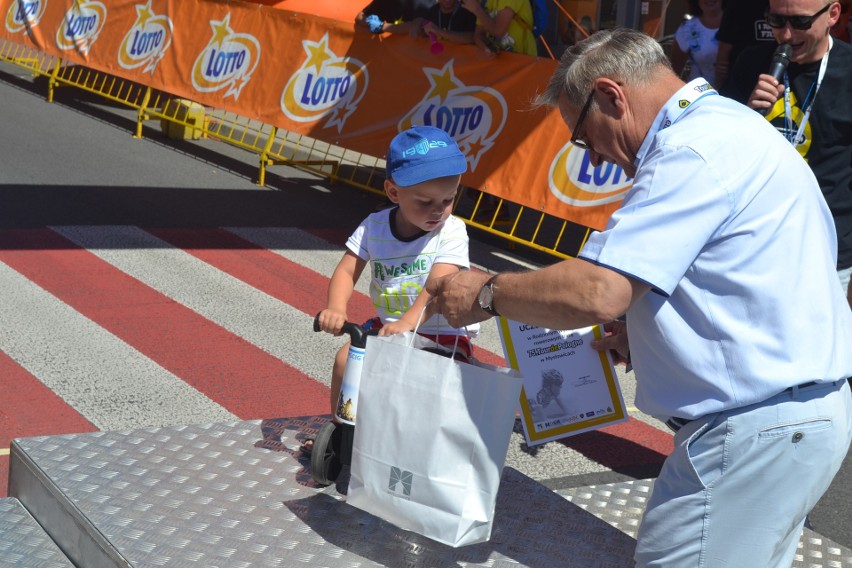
728, 225
700, 44
400, 267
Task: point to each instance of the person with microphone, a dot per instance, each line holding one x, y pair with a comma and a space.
808, 101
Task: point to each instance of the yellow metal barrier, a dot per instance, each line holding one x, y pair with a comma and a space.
180, 118
25, 57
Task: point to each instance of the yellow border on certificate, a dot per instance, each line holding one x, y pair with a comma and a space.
618, 415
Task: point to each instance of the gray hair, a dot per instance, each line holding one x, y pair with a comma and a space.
621, 54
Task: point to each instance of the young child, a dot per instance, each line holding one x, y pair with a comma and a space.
404, 245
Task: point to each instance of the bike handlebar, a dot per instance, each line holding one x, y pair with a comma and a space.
357, 334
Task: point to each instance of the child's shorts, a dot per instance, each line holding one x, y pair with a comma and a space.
464, 351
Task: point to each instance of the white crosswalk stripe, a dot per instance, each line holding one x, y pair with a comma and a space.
108, 382
275, 327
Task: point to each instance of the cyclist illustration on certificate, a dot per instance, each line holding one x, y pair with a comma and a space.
568, 386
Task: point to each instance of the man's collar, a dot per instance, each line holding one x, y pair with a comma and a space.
672, 110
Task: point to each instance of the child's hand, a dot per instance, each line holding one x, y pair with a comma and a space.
374, 23
395, 327
331, 321
430, 27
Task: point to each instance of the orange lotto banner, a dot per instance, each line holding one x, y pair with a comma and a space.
317, 75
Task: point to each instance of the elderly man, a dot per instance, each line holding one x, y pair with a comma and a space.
722, 258
810, 105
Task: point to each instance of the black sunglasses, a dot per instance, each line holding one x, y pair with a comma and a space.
575, 136
796, 22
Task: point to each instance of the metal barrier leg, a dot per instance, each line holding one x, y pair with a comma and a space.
143, 112
53, 82
264, 156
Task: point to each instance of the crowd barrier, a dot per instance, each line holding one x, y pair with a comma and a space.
531, 186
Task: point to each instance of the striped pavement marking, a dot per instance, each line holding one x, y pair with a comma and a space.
102, 377
23, 393
119, 327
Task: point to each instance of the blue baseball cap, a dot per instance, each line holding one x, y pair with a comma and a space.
422, 153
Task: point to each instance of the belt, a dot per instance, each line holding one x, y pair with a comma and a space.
674, 423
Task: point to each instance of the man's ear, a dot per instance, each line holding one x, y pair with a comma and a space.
611, 99
392, 191
833, 14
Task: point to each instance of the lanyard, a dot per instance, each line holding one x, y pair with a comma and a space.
449, 23
809, 101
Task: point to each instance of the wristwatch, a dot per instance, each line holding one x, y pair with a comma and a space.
486, 296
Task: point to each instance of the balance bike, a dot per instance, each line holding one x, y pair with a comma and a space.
333, 443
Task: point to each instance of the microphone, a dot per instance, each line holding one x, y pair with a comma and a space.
780, 60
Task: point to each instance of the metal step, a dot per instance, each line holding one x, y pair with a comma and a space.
23, 543
240, 495
622, 505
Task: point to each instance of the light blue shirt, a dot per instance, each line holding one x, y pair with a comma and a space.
727, 224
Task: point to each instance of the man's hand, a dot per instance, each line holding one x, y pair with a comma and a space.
615, 341
455, 297
765, 93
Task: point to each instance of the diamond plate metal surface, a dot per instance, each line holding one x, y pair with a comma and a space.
240, 495
622, 504
23, 543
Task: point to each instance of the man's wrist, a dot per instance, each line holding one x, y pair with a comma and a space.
486, 295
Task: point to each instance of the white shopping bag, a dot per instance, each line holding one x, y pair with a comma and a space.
431, 439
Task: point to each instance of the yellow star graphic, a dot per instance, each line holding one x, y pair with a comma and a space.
221, 30
143, 13
318, 53
442, 83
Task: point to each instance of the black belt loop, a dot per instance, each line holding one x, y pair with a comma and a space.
794, 390
674, 423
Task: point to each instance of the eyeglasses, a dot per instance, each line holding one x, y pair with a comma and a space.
575, 136
796, 22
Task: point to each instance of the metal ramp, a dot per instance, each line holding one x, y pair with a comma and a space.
238, 495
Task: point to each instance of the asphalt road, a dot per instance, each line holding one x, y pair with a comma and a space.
74, 165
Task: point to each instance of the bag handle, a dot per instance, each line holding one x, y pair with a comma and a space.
420, 320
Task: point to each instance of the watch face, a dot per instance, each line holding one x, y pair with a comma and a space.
486, 296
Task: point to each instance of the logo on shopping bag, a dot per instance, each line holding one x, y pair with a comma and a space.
399, 476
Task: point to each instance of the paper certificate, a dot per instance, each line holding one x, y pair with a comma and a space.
569, 387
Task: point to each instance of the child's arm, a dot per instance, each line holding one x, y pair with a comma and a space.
408, 321
340, 290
